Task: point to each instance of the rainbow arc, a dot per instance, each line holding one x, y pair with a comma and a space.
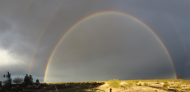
101, 13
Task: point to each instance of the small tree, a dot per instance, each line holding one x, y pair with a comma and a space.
7, 82
31, 79
27, 79
37, 82
0, 83
18, 80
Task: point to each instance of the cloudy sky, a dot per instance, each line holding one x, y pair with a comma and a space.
102, 47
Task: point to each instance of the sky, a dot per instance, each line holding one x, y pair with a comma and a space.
95, 40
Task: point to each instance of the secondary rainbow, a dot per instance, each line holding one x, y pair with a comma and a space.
177, 33
45, 29
100, 13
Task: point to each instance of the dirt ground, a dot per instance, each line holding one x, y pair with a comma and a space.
132, 89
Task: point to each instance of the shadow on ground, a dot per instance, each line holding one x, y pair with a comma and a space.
89, 87
83, 88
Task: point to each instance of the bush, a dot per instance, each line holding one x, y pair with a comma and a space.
178, 87
140, 84
2, 90
166, 85
188, 90
146, 84
43, 84
23, 85
17, 89
129, 85
166, 82
187, 83
115, 83
137, 81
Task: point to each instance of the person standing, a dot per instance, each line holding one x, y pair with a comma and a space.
110, 90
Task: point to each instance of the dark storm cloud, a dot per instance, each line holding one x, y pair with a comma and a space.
23, 22
9, 7
5, 25
21, 29
171, 7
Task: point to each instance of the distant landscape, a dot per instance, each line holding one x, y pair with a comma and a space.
115, 85
152, 85
27, 84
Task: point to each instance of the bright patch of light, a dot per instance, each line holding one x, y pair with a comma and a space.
7, 59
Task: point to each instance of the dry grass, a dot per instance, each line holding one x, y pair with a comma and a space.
155, 84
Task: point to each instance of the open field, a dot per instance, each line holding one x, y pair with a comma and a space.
155, 85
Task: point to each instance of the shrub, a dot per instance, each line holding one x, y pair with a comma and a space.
187, 83
146, 84
166, 85
129, 85
137, 81
178, 87
140, 84
165, 82
16, 89
22, 84
188, 90
115, 83
2, 90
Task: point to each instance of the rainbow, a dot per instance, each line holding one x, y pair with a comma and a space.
177, 33
100, 13
45, 29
